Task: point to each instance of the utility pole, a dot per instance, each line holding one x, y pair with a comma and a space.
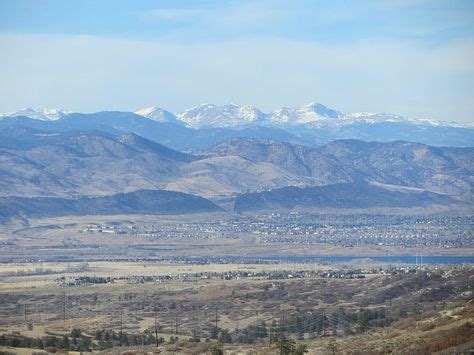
216, 320
324, 323
270, 334
64, 307
194, 328
25, 311
121, 323
256, 322
156, 329
176, 324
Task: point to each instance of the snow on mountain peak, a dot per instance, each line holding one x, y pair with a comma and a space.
304, 114
322, 110
157, 114
38, 114
311, 115
221, 116
372, 118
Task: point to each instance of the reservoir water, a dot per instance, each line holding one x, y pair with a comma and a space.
398, 259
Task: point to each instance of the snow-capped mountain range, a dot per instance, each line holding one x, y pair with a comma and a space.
221, 116
42, 114
312, 115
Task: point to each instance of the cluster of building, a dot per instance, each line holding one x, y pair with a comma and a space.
238, 275
83, 280
298, 228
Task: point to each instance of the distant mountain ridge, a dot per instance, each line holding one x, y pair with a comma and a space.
236, 156
159, 115
137, 202
345, 196
175, 136
204, 125
439, 169
313, 115
232, 115
37, 114
38, 163
46, 163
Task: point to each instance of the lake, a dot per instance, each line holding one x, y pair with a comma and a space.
404, 259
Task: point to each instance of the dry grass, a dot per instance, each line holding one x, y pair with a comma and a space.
420, 334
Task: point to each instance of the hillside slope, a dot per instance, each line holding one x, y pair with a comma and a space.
137, 202
443, 170
354, 195
34, 162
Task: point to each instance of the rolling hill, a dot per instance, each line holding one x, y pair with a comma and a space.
442, 170
257, 173
137, 202
343, 196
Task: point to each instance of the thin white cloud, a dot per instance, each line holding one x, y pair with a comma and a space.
392, 4
172, 14
225, 16
250, 14
456, 57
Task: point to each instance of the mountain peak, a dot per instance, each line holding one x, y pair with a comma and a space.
311, 115
221, 116
158, 114
308, 113
323, 110
42, 114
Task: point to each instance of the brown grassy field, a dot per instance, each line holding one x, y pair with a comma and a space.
427, 307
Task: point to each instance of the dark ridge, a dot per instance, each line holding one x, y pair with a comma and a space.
357, 195
137, 202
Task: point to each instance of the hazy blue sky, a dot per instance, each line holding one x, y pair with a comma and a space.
413, 58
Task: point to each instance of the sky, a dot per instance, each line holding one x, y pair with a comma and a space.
413, 58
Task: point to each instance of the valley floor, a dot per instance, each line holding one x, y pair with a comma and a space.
242, 285
227, 237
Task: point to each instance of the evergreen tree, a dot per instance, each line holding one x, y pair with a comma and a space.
75, 333
362, 321
332, 346
65, 342
225, 337
286, 346
301, 349
216, 348
85, 344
